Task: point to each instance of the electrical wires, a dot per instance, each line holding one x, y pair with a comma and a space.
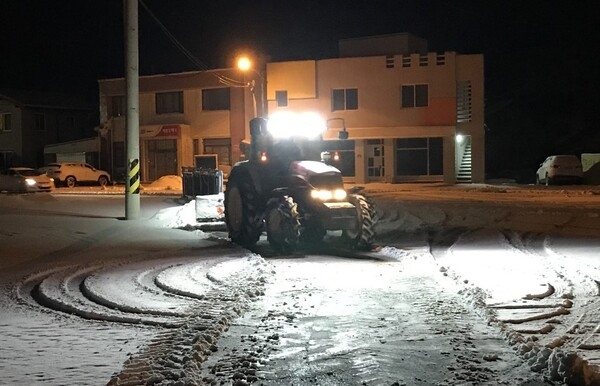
197, 62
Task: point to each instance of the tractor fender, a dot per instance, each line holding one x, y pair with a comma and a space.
246, 167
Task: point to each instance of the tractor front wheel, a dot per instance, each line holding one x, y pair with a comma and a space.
283, 226
242, 217
363, 236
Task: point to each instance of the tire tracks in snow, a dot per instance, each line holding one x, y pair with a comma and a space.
191, 299
324, 320
537, 324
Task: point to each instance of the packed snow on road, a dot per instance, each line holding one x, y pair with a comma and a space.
475, 284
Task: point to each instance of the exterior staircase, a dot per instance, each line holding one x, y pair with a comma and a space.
464, 171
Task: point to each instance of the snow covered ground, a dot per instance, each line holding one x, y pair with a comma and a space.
115, 293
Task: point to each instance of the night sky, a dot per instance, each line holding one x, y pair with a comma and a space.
541, 57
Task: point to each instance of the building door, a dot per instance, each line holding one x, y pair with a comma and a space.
162, 158
375, 152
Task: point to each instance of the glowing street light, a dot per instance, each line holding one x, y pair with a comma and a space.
245, 64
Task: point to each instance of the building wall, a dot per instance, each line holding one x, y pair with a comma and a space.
12, 140
60, 125
309, 85
379, 114
194, 123
470, 67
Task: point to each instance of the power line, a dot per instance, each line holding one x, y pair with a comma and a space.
197, 62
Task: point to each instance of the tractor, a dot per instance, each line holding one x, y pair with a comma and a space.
283, 187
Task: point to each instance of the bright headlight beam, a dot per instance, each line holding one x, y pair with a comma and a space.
339, 194
327, 195
286, 124
30, 181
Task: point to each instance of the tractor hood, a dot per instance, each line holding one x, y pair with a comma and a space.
316, 175
308, 169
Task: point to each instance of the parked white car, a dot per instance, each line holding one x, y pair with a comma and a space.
559, 169
73, 173
25, 180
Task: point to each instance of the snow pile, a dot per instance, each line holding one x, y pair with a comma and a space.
165, 183
210, 207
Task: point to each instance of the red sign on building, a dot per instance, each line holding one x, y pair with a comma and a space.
169, 131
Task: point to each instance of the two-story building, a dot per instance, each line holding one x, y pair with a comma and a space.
29, 120
409, 114
181, 116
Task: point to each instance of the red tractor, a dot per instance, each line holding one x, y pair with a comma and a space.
282, 189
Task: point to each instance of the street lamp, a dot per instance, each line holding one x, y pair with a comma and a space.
245, 64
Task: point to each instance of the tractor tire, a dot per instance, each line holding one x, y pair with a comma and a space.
242, 214
363, 237
283, 226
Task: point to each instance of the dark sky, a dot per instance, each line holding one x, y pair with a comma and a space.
541, 56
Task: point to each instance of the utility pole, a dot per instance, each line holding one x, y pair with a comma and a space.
132, 180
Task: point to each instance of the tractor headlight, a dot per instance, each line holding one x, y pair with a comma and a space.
287, 124
327, 195
30, 181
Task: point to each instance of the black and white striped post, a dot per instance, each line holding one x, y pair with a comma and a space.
132, 184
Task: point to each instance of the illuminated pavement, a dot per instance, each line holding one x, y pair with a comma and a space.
460, 292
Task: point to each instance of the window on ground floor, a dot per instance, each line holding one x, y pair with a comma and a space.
419, 156
221, 147
8, 158
341, 156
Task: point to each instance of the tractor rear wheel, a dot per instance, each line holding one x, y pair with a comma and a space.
363, 236
283, 226
242, 215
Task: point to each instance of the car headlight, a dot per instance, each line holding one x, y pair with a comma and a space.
327, 195
30, 181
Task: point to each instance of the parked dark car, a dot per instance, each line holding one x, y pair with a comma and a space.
25, 180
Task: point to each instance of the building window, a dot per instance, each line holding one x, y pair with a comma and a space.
8, 158
5, 122
419, 157
423, 60
39, 122
221, 147
389, 61
195, 146
406, 61
281, 98
440, 59
169, 102
415, 95
341, 156
215, 99
344, 99
118, 105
